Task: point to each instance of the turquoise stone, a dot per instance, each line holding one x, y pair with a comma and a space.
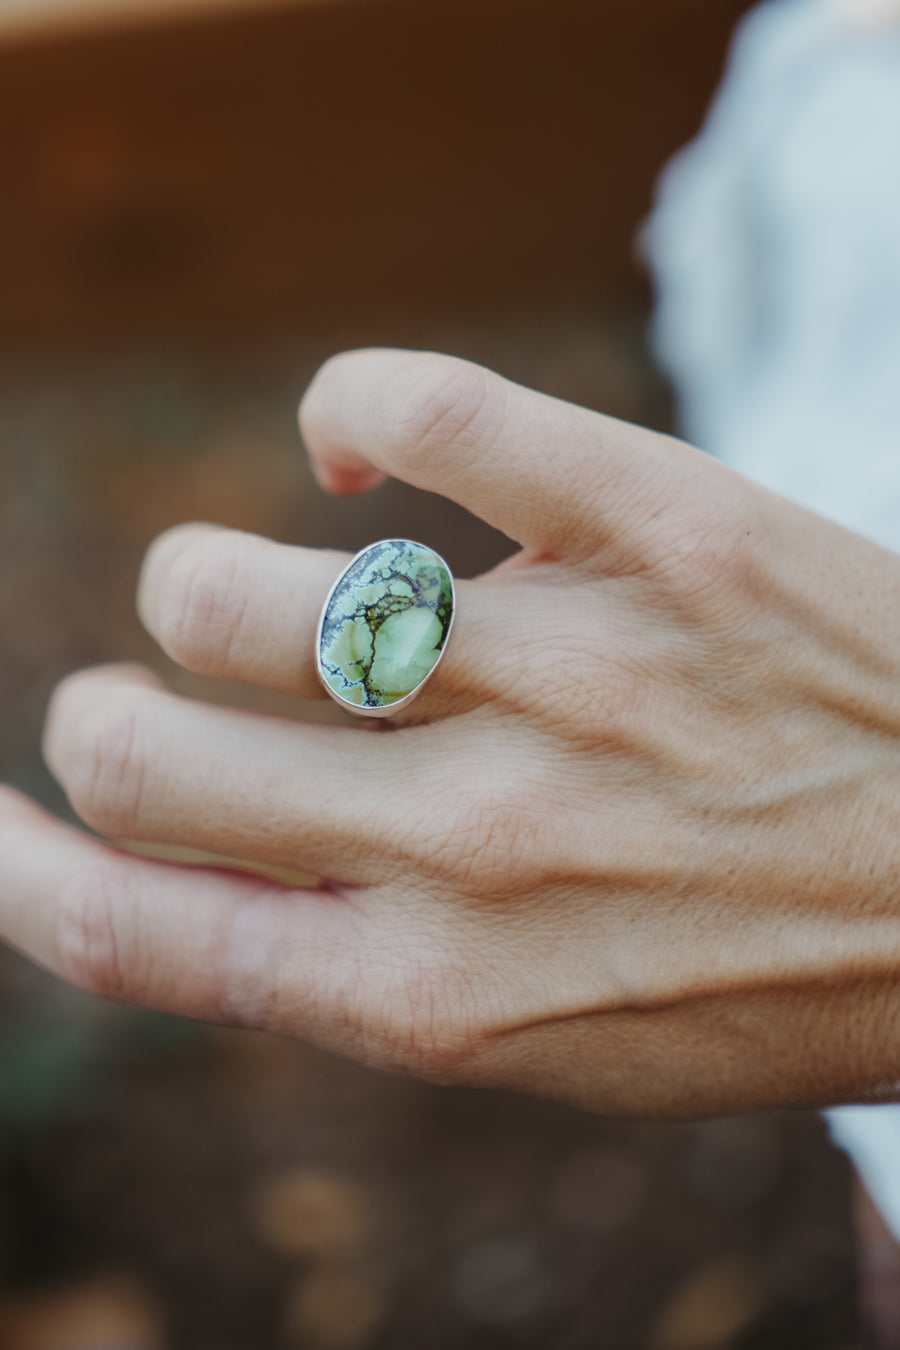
385, 624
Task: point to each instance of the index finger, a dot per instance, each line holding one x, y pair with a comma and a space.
554, 477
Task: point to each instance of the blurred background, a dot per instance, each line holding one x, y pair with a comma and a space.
200, 202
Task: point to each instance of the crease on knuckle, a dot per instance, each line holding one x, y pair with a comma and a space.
492, 849
423, 1020
704, 557
109, 766
435, 1036
439, 410
96, 936
204, 603
607, 713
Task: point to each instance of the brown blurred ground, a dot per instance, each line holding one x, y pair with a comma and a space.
195, 215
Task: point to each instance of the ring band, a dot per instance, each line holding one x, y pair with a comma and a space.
384, 627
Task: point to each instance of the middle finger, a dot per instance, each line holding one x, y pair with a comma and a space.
237, 606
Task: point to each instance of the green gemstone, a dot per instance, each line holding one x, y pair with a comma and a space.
385, 624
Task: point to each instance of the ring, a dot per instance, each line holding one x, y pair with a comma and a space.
384, 627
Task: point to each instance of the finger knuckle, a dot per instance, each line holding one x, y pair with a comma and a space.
96, 947
424, 1020
706, 556
493, 842
433, 1037
436, 409
203, 603
109, 764
703, 547
608, 712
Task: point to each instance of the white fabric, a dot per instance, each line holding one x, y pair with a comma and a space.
776, 245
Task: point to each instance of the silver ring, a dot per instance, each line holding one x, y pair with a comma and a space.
385, 626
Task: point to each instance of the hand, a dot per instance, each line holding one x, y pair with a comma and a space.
634, 847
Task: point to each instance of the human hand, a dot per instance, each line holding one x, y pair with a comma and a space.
633, 847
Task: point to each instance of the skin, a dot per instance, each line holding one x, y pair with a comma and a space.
635, 847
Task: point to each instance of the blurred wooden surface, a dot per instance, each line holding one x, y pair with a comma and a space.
280, 169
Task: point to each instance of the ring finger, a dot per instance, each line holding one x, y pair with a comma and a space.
142, 764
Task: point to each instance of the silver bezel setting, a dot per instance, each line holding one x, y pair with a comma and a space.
389, 709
